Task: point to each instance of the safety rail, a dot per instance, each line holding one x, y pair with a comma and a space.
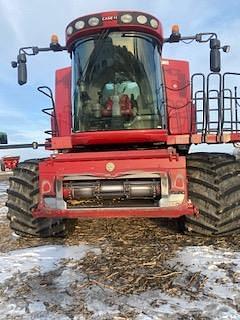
216, 102
50, 111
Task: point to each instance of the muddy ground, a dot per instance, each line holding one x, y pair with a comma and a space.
118, 269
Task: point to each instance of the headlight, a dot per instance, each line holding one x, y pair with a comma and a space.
69, 30
126, 18
142, 19
94, 21
154, 23
79, 24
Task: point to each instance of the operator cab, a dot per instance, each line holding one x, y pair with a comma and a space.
117, 81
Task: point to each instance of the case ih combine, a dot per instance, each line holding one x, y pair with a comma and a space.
122, 122
9, 162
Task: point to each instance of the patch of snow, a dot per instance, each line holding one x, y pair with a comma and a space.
36, 306
12, 310
219, 267
3, 187
69, 276
3, 211
23, 291
102, 302
155, 305
218, 298
3, 199
43, 259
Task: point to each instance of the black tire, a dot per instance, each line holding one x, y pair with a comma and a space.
214, 188
23, 195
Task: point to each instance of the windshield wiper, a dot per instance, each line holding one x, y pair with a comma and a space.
97, 49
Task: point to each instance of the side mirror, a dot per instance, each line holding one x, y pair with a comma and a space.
22, 68
215, 60
215, 57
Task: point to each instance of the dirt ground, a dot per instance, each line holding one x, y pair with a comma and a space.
132, 269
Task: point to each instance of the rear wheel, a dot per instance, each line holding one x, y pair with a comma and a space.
23, 195
214, 188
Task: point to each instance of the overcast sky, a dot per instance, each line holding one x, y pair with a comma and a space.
27, 23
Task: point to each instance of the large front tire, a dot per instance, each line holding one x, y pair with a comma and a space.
214, 188
23, 196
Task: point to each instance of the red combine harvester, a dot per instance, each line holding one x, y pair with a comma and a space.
122, 122
9, 162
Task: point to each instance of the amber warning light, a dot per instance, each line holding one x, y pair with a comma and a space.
175, 28
54, 39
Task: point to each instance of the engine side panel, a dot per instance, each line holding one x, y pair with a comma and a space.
63, 102
180, 112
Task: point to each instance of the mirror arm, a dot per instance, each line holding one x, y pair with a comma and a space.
32, 51
197, 37
21, 62
211, 37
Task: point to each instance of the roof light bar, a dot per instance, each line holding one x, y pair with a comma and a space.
142, 19
126, 18
93, 21
69, 30
154, 23
79, 25
114, 20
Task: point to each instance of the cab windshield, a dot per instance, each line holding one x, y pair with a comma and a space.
117, 83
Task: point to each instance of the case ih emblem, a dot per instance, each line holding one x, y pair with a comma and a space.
110, 166
109, 18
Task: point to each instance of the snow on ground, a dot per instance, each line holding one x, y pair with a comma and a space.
3, 199
42, 259
47, 283
24, 292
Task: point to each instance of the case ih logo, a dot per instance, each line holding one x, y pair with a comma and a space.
109, 18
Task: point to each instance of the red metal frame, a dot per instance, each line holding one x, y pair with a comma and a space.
178, 96
173, 212
165, 162
63, 103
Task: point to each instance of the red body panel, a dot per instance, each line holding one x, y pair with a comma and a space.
107, 138
63, 102
85, 163
64, 123
164, 163
173, 212
179, 107
180, 112
179, 120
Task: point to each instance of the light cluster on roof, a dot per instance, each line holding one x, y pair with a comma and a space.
126, 18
